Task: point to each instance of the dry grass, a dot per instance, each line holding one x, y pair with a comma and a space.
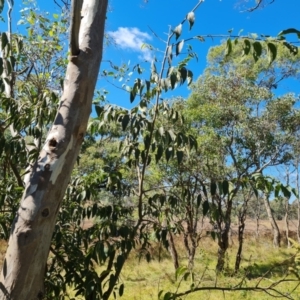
144, 280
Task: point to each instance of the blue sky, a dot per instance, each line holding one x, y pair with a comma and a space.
129, 25
129, 21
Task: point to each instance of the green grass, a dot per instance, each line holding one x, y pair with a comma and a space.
144, 280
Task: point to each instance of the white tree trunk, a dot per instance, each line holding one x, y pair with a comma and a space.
22, 276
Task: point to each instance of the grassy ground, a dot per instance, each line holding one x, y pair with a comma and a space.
144, 280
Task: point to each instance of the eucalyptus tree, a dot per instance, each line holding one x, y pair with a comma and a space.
48, 175
234, 102
50, 165
76, 251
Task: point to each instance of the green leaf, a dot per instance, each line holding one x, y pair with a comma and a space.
180, 271
169, 153
119, 262
99, 110
1, 66
247, 47
228, 47
178, 30
125, 121
272, 52
191, 18
183, 74
225, 187
294, 191
147, 141
286, 192
293, 49
159, 153
289, 31
8, 67
167, 296
1, 5
204, 190
121, 290
179, 47
4, 40
213, 188
257, 50
199, 199
132, 96
179, 155
147, 85
277, 190
173, 80
189, 77
205, 207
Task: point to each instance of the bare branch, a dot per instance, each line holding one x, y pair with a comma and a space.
258, 4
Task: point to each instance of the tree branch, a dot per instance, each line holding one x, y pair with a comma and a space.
75, 26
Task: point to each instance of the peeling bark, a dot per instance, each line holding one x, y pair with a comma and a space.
22, 276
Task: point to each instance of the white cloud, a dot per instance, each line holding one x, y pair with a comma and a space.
132, 39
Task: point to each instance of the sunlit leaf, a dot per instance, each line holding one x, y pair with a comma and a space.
257, 50
179, 47
191, 18
247, 47
178, 30
228, 47
272, 52
189, 77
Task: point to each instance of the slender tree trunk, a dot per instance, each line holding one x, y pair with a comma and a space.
286, 219
257, 227
22, 276
223, 236
242, 222
223, 246
240, 247
257, 217
276, 232
173, 251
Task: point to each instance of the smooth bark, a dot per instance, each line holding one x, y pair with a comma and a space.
22, 276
